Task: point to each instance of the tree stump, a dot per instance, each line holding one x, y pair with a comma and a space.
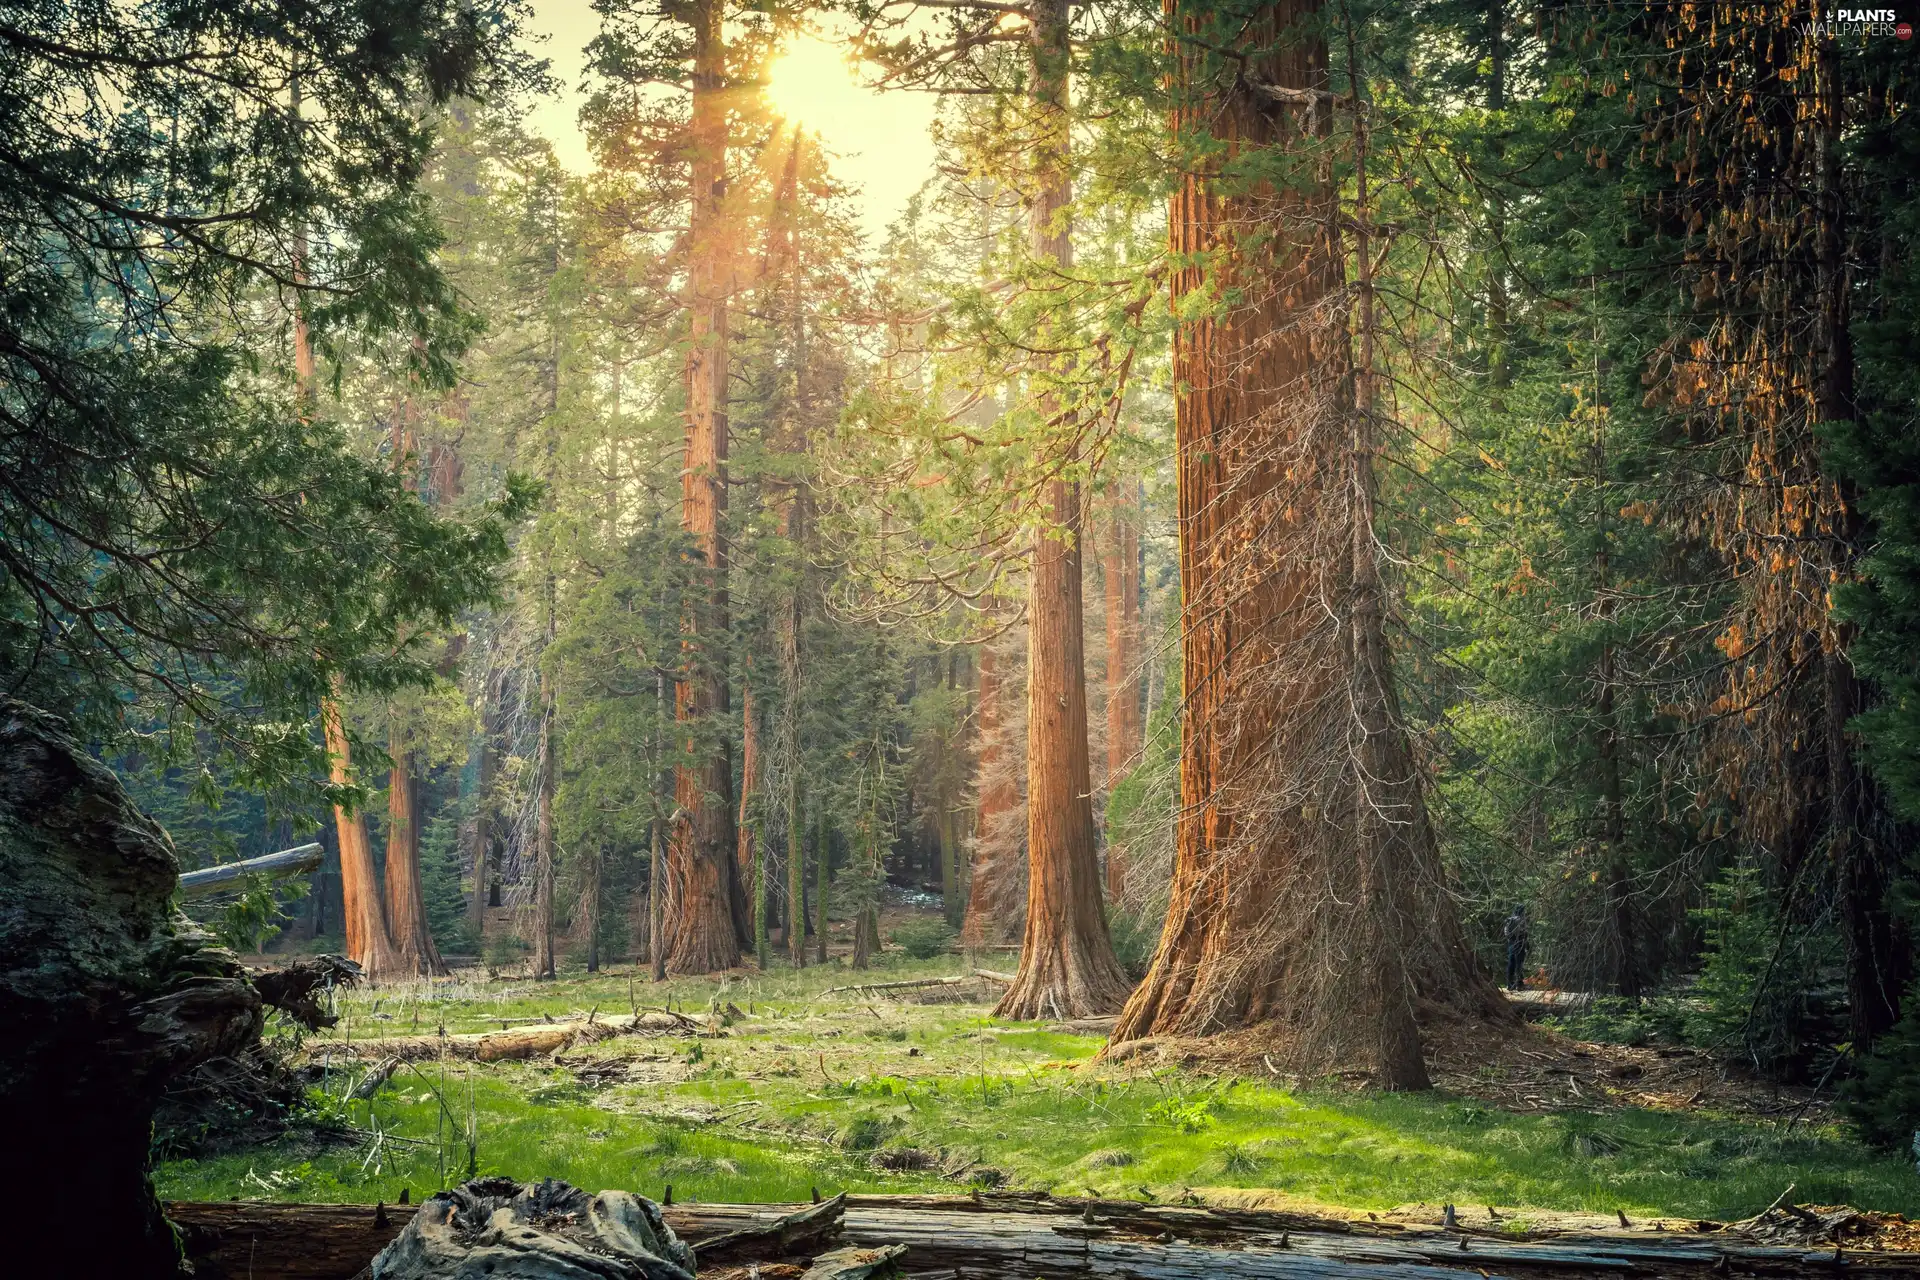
548, 1230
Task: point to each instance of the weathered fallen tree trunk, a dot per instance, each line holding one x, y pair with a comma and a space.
538, 1231
516, 1044
916, 984
1026, 1238
287, 862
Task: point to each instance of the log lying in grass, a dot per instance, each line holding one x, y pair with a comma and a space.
516, 1044
802, 1233
917, 984
1023, 1238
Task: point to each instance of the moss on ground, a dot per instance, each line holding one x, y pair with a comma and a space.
877, 1092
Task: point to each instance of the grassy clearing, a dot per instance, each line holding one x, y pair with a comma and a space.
864, 1093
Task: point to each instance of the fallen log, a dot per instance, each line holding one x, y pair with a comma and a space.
1024, 1238
917, 984
517, 1044
802, 1233
287, 862
545, 1230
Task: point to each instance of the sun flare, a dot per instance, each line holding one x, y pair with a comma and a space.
812, 83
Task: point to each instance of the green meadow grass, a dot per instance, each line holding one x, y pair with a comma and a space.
813, 1091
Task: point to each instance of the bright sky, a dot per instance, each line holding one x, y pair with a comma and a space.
882, 140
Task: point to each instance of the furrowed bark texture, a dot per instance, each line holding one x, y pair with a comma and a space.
107, 993
369, 944
1307, 896
406, 904
709, 925
1067, 965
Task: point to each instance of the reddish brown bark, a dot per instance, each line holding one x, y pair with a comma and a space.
710, 926
1067, 965
406, 905
1307, 895
368, 943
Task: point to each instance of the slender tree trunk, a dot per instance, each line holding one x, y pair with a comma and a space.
710, 925
546, 779
822, 884
746, 854
1067, 965
1307, 896
996, 900
590, 906
406, 905
1621, 948
945, 840
656, 905
1120, 574
483, 840
657, 884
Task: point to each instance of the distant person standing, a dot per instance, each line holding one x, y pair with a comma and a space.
1516, 930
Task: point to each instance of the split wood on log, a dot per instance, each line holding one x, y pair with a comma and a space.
1020, 1238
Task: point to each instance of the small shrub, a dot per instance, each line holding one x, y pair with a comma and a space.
923, 939
1186, 1115
1581, 1135
863, 1133
505, 950
1240, 1162
1108, 1158
1884, 1098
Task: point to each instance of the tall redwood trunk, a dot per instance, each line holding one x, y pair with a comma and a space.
709, 926
1067, 965
406, 905
1120, 574
368, 943
996, 893
1307, 895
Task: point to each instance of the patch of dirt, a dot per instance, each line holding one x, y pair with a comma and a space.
1516, 1066
1521, 1067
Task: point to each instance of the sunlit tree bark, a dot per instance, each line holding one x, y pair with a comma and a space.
709, 926
1307, 896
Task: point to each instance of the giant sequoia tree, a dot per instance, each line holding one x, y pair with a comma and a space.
1307, 897
679, 148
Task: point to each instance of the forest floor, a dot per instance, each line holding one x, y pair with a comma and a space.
798, 1088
